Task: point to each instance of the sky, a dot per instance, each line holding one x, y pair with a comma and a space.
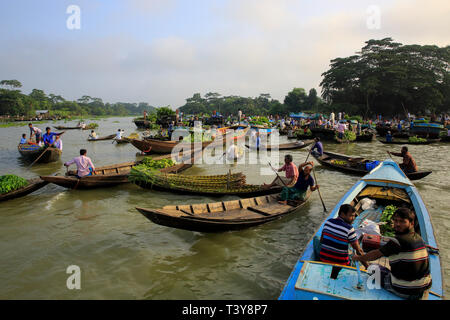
164, 51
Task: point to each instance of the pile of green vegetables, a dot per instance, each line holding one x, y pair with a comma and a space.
158, 164
92, 125
387, 228
348, 136
205, 137
302, 132
416, 139
11, 182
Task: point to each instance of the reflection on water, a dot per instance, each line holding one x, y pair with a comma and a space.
123, 255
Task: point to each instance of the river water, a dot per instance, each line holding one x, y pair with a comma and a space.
122, 255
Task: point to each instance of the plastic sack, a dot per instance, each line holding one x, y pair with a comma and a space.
367, 204
372, 165
368, 227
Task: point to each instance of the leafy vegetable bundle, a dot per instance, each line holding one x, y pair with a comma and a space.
158, 164
387, 229
11, 182
416, 139
143, 175
349, 135
92, 126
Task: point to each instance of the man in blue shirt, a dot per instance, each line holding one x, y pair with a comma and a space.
49, 137
318, 145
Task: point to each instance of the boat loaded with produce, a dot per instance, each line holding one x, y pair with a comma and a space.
375, 197
12, 186
112, 175
358, 165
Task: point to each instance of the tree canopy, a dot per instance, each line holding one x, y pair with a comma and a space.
389, 78
14, 103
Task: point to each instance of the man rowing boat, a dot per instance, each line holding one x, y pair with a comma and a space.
84, 164
298, 191
409, 164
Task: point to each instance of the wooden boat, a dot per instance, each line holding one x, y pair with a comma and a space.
32, 152
66, 128
224, 136
366, 137
246, 190
34, 184
142, 124
356, 165
222, 216
286, 146
426, 130
142, 145
387, 185
163, 147
121, 141
324, 134
395, 141
110, 137
106, 176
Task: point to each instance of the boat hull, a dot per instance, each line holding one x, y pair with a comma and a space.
34, 184
360, 172
218, 222
107, 176
51, 154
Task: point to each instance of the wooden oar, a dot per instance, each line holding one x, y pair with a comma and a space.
38, 158
278, 175
359, 285
323, 204
308, 154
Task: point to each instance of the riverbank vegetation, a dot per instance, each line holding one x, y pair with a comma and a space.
385, 77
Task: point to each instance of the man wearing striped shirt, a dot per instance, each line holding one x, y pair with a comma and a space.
337, 234
409, 276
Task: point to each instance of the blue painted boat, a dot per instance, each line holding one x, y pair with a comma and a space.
431, 130
387, 184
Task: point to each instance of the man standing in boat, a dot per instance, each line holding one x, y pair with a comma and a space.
298, 191
291, 174
84, 164
36, 132
409, 275
409, 164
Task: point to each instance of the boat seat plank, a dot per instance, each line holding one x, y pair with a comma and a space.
272, 209
230, 215
199, 208
247, 203
232, 205
215, 207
